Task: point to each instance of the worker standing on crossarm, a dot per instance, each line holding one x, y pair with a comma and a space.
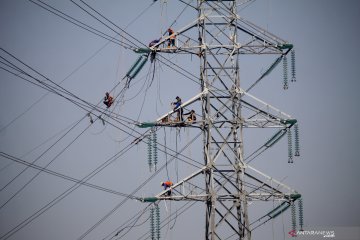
178, 109
108, 100
171, 40
167, 185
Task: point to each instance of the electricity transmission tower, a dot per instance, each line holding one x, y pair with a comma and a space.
227, 183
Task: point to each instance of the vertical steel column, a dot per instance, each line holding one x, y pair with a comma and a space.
241, 205
206, 128
226, 63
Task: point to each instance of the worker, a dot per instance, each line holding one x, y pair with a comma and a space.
154, 42
178, 109
171, 40
167, 185
108, 100
191, 117
165, 119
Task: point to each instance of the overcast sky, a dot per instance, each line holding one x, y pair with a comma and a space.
324, 100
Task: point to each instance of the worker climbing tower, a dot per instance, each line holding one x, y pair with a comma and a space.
218, 37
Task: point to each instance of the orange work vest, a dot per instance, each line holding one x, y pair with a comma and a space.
168, 183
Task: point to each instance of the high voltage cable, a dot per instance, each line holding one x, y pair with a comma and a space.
63, 176
133, 225
135, 40
101, 112
37, 174
134, 192
45, 86
119, 229
133, 44
36, 159
57, 86
85, 106
122, 30
165, 221
82, 103
44, 142
22, 72
50, 88
24, 223
65, 193
80, 24
45, 167
35, 103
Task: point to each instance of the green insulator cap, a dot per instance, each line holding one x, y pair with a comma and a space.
286, 46
142, 50
149, 199
146, 124
295, 196
289, 121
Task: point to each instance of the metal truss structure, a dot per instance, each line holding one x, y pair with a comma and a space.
226, 183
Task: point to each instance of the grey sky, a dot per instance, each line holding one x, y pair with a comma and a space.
324, 100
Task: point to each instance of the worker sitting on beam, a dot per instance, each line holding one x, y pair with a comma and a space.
192, 117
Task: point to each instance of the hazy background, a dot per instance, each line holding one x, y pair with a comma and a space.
324, 99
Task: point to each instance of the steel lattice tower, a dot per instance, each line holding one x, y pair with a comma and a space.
226, 109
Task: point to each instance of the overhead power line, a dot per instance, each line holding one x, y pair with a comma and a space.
41, 155
48, 164
61, 15
139, 44
63, 176
80, 24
